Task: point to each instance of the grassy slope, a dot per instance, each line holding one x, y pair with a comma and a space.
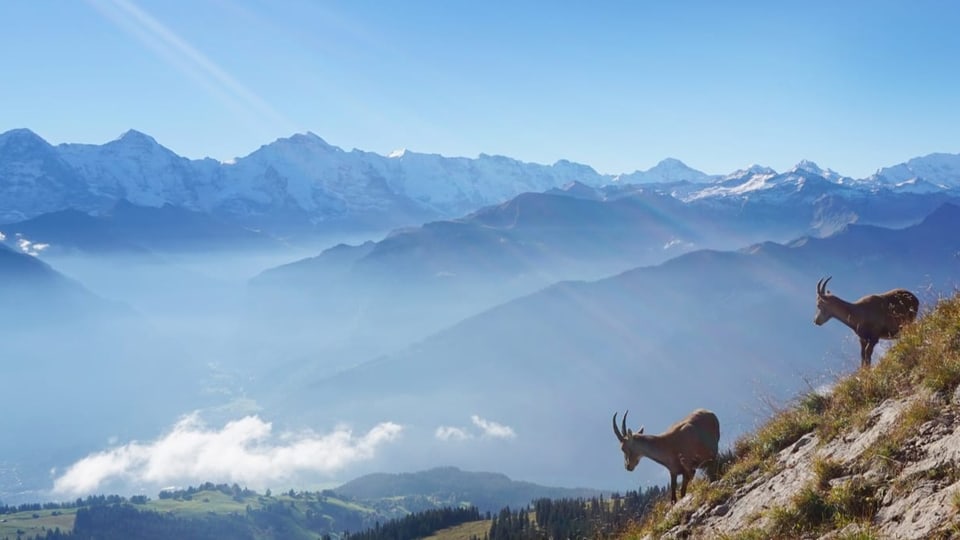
24, 521
924, 361
466, 531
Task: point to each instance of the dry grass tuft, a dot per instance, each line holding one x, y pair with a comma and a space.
826, 470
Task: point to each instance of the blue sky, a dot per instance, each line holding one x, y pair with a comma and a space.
618, 85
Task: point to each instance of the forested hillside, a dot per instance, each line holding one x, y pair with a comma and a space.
211, 512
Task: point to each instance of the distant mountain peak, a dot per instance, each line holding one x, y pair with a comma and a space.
751, 171
667, 170
808, 166
671, 162
939, 169
19, 132
22, 137
308, 138
136, 137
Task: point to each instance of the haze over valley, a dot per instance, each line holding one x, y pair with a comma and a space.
304, 315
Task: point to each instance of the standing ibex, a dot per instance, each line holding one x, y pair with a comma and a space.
688, 445
872, 318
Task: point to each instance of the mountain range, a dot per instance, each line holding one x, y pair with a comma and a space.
301, 183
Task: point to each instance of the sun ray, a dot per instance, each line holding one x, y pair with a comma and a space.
177, 52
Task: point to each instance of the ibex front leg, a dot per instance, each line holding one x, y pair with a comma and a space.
866, 351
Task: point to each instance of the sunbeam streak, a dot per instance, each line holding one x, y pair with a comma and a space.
177, 52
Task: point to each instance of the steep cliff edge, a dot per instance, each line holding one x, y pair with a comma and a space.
876, 456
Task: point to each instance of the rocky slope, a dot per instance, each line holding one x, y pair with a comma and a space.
877, 456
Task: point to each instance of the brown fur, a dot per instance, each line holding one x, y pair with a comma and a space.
686, 446
872, 318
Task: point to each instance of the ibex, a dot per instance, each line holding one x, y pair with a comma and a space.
688, 445
872, 318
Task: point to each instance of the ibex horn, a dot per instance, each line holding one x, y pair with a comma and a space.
822, 286
615, 430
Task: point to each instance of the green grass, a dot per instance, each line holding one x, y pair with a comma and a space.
31, 526
199, 505
202, 503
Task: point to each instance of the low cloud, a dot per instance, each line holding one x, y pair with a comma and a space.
28, 247
449, 433
493, 429
488, 429
245, 451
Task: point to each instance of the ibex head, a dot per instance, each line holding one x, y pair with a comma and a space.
823, 297
631, 454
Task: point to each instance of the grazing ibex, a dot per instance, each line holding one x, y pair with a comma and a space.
688, 445
872, 318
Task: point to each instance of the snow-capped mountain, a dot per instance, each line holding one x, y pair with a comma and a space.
742, 175
941, 170
304, 182
807, 166
137, 168
805, 180
35, 179
300, 179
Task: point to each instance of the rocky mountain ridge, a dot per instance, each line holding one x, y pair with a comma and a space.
302, 181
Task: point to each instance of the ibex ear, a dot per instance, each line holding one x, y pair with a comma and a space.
641, 431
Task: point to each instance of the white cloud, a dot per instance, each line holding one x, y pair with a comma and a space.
244, 451
29, 247
2, 237
493, 429
488, 429
449, 433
